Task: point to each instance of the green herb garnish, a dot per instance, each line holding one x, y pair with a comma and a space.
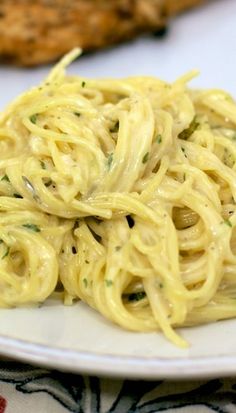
109, 160
145, 158
33, 118
77, 114
6, 253
43, 165
83, 83
159, 138
32, 227
109, 283
5, 178
228, 222
85, 281
186, 133
137, 296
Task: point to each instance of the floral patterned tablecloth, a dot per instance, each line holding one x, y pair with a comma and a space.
28, 389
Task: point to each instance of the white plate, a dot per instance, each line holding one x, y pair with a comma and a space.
76, 338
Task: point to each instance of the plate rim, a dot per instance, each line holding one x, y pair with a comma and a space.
114, 366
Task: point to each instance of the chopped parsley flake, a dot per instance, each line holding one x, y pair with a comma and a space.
186, 133
85, 281
145, 158
33, 118
109, 160
6, 253
228, 222
77, 114
109, 283
137, 296
32, 227
43, 165
83, 83
159, 138
5, 178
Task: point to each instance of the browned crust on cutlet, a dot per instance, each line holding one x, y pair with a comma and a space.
173, 7
41, 31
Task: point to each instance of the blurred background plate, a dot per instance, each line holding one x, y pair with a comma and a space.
76, 338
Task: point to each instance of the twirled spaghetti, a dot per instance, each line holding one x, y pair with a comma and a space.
121, 193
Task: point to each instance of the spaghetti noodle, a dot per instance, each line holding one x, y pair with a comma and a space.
121, 193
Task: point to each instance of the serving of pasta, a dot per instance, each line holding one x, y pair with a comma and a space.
121, 193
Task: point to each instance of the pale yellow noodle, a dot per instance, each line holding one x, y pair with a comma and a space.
121, 193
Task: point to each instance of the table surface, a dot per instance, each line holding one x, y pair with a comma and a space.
28, 389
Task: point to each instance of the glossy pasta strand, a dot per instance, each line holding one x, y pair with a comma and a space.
121, 193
